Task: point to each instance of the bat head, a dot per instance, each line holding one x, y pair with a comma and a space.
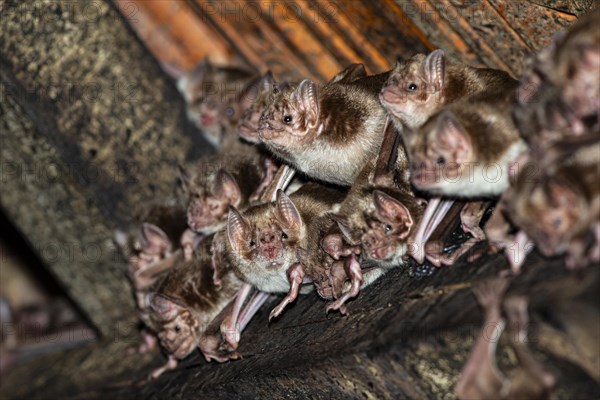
267, 236
177, 328
209, 200
438, 151
250, 120
292, 117
412, 92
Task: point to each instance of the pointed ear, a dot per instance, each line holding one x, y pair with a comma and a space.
349, 74
238, 229
286, 212
194, 78
121, 239
154, 238
184, 177
267, 82
345, 229
562, 195
391, 209
452, 134
307, 102
434, 67
226, 187
165, 308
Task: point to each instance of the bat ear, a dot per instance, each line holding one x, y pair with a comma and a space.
267, 82
349, 74
452, 134
434, 67
227, 188
194, 78
184, 177
154, 238
165, 308
562, 195
345, 229
391, 209
238, 229
286, 212
251, 92
307, 102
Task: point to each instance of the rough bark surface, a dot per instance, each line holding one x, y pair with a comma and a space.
406, 337
91, 128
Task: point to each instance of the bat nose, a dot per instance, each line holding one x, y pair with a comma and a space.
267, 238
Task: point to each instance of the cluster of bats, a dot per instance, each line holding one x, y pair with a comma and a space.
327, 186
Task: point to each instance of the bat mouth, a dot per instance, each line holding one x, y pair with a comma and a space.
390, 95
184, 349
207, 120
272, 254
267, 130
381, 253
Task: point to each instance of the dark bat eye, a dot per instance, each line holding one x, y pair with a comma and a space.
252, 243
412, 87
229, 111
284, 235
387, 229
287, 119
177, 328
275, 90
441, 160
557, 222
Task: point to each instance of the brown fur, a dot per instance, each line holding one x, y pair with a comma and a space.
559, 206
212, 94
456, 81
206, 208
186, 301
484, 136
251, 263
344, 123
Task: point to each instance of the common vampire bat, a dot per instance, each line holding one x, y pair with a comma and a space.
214, 98
213, 184
156, 231
264, 240
466, 149
559, 94
249, 122
480, 377
423, 85
329, 132
558, 208
186, 300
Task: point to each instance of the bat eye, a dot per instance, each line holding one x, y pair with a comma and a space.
287, 119
557, 222
412, 87
229, 111
441, 160
252, 243
284, 235
387, 228
177, 328
275, 90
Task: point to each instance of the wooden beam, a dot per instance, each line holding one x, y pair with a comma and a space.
112, 128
